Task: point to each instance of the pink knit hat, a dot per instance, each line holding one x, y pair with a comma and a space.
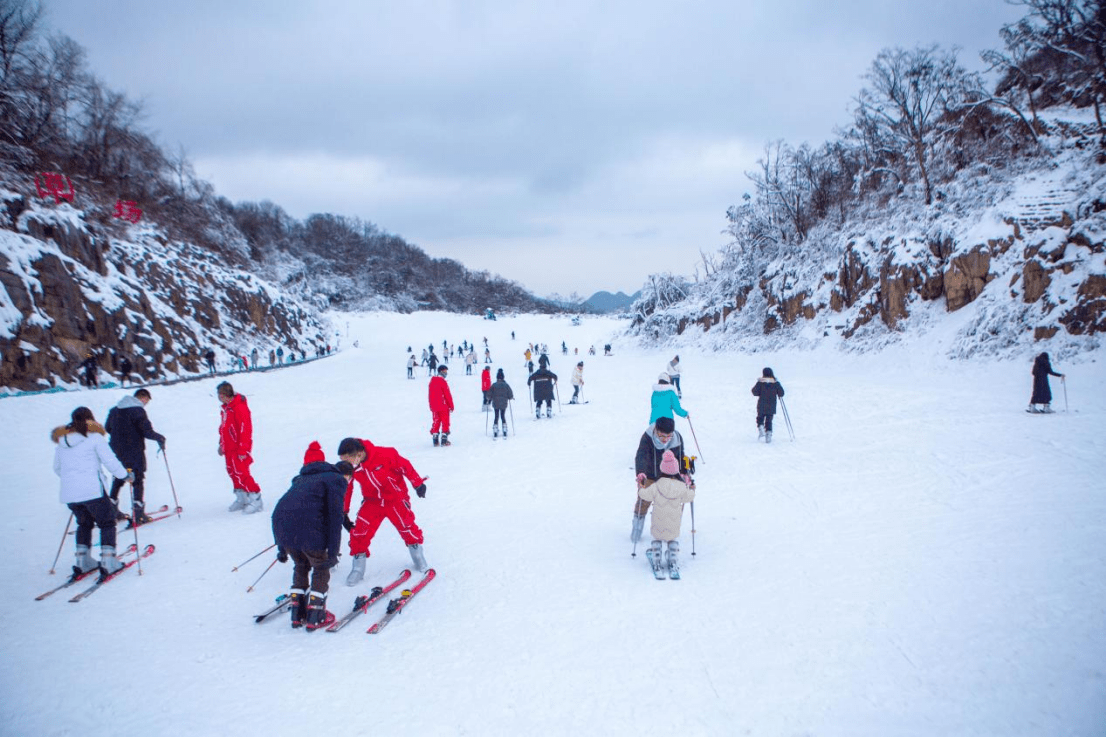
669, 465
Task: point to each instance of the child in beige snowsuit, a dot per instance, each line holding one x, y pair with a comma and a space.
668, 494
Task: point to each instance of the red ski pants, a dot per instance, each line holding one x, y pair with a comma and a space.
373, 512
441, 420
239, 472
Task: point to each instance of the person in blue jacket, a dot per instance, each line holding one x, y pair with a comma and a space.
307, 527
665, 401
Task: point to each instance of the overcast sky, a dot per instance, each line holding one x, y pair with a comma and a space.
570, 146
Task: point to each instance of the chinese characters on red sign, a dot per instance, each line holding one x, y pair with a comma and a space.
57, 185
128, 210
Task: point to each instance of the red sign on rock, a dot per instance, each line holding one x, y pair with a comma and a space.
53, 184
128, 210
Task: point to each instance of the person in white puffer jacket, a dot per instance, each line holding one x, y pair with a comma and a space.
82, 448
668, 494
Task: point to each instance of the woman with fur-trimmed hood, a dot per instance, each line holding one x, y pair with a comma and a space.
767, 389
82, 448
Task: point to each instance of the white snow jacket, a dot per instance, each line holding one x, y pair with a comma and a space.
668, 496
77, 461
673, 369
578, 377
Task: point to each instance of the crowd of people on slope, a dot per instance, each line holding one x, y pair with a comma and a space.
307, 521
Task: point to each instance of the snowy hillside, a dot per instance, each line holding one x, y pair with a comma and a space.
70, 286
924, 558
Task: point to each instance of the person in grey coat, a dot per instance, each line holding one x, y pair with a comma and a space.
501, 394
767, 389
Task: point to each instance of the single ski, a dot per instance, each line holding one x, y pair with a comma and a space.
154, 518
74, 578
659, 570
395, 607
281, 605
673, 565
146, 552
364, 602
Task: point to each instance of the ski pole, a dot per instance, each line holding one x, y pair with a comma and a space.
692, 427
787, 418
250, 588
485, 420
1064, 383
511, 407
270, 548
173, 487
557, 387
62, 544
134, 525
693, 527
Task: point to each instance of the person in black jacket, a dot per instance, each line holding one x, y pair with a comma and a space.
544, 381
129, 427
767, 389
124, 371
307, 528
660, 437
1042, 393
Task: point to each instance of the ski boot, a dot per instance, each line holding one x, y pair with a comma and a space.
108, 563
537, 413
84, 563
504, 429
636, 528
298, 607
1032, 409
417, 557
317, 615
253, 503
138, 515
767, 436
239, 501
445, 440
655, 555
434, 437
357, 573
495, 430
673, 559
1046, 408
549, 412
760, 433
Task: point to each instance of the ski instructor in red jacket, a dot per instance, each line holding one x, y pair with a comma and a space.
380, 471
235, 444
441, 405
486, 386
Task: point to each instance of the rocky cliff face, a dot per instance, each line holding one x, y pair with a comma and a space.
1026, 254
72, 288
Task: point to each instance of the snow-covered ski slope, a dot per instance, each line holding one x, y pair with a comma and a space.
925, 558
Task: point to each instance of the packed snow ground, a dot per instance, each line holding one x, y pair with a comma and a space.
924, 558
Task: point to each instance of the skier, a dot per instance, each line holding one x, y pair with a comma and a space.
280, 354
253, 359
235, 444
486, 385
124, 371
81, 450
487, 356
660, 437
501, 394
470, 362
90, 370
669, 493
664, 401
431, 364
129, 427
544, 381
210, 358
411, 364
1042, 393
307, 527
564, 348
526, 356
543, 360
380, 472
767, 389
577, 382
441, 405
673, 371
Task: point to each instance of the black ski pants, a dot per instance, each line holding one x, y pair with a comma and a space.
138, 489
766, 421
98, 513
313, 563
500, 414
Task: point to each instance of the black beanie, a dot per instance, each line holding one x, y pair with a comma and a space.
666, 425
499, 374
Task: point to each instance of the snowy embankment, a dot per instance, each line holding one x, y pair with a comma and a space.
925, 557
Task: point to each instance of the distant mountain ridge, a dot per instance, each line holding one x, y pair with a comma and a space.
605, 302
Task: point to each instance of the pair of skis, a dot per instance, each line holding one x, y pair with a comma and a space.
161, 513
663, 567
102, 579
362, 604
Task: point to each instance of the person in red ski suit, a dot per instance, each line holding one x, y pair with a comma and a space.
441, 405
380, 471
235, 444
486, 386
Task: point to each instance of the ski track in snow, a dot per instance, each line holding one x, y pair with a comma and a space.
924, 558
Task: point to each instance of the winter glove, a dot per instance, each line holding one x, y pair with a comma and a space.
161, 445
421, 490
641, 480
130, 477
347, 524
282, 556
332, 561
